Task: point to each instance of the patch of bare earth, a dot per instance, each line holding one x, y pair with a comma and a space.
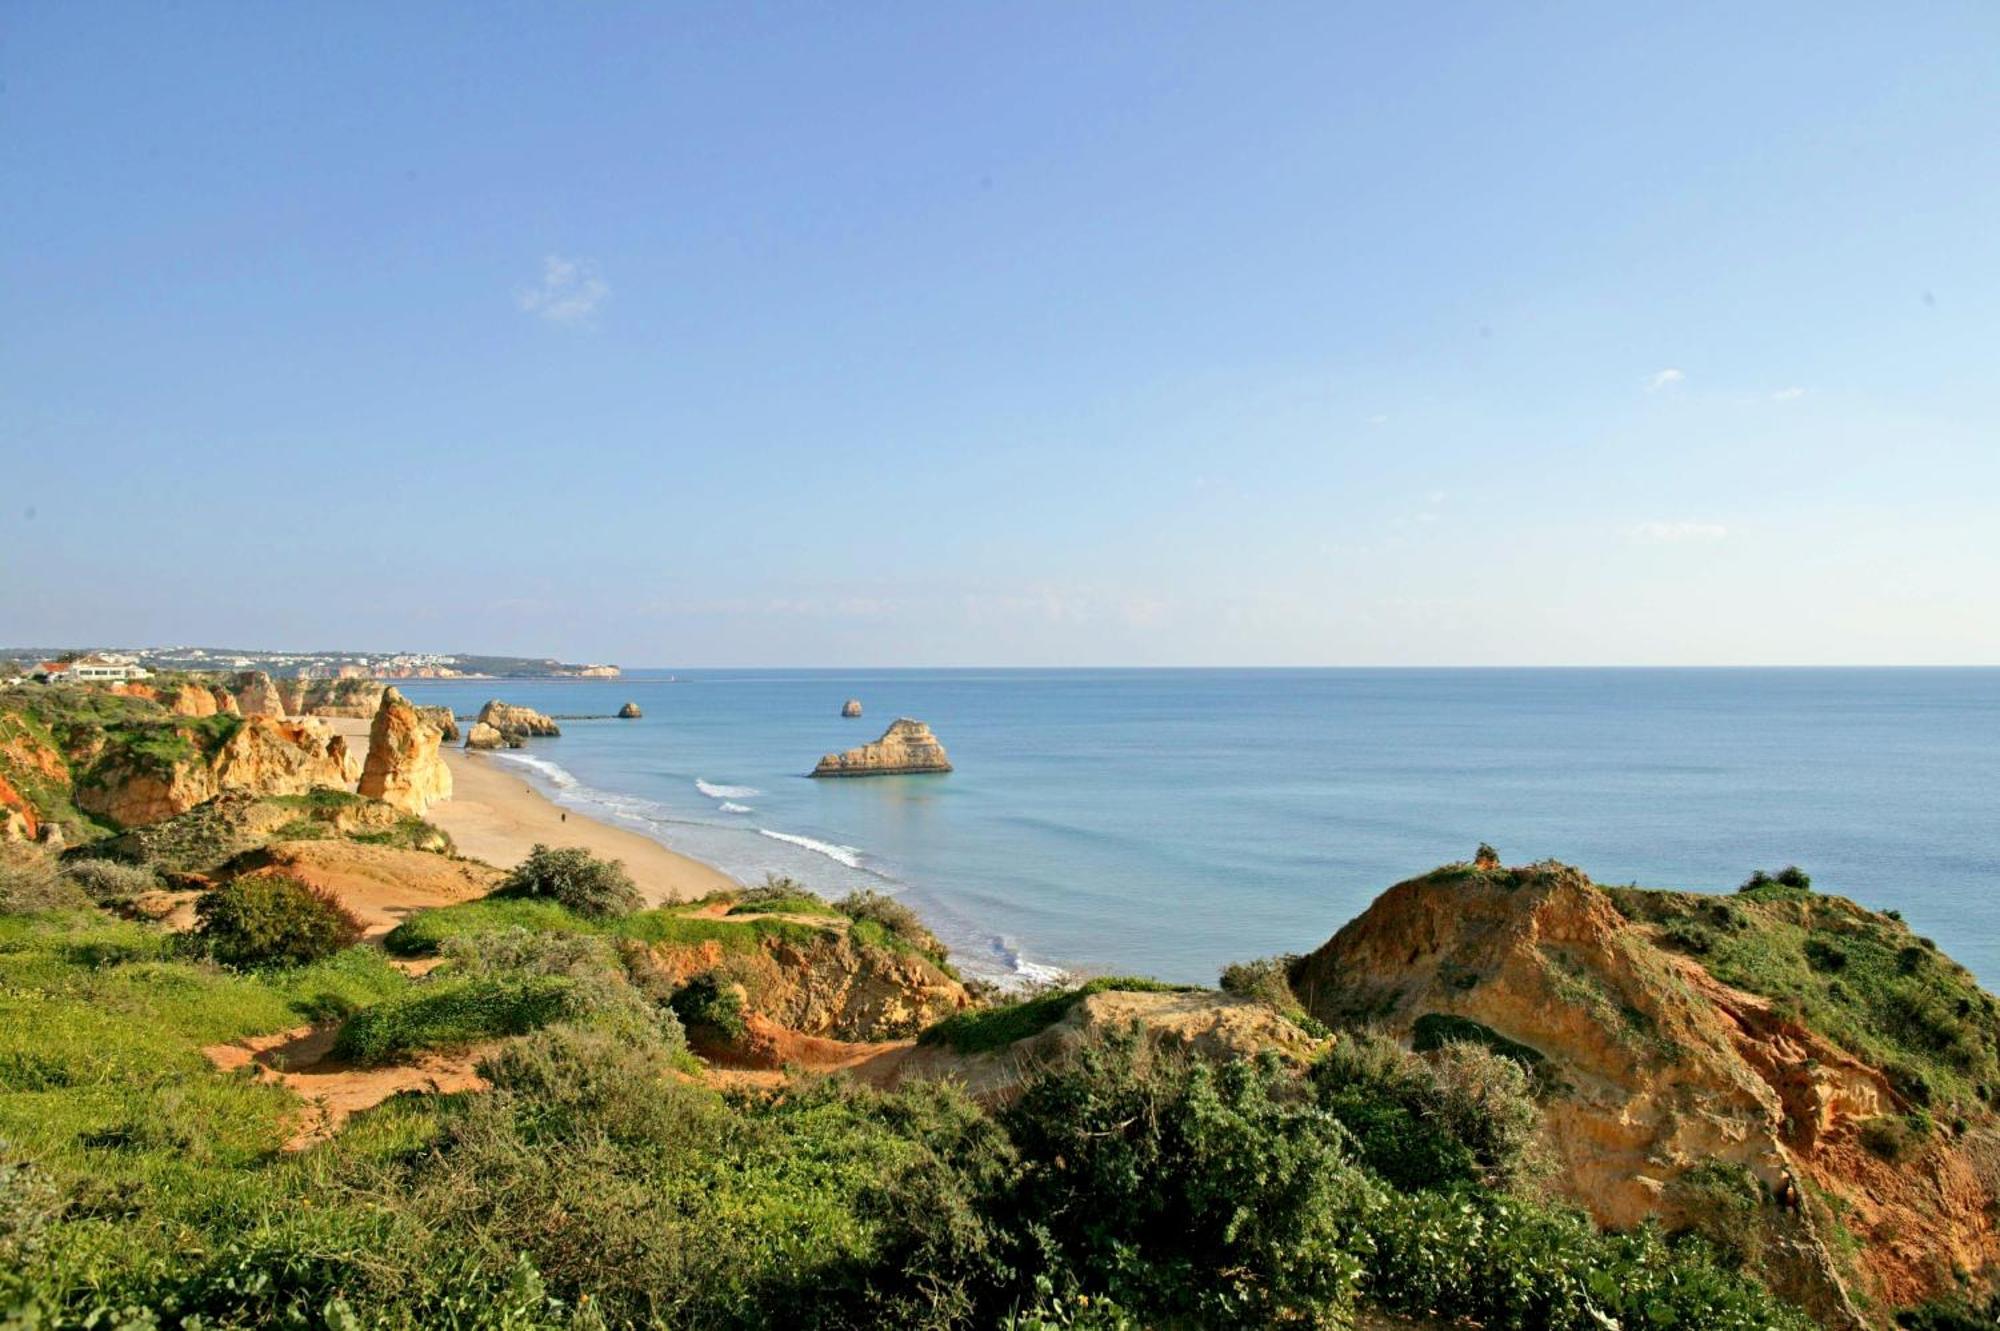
333, 1090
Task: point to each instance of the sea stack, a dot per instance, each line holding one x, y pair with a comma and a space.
518, 722
852, 707
906, 747
403, 766
630, 712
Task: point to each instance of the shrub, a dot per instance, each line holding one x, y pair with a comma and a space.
781, 895
996, 1027
453, 1013
1793, 876
1464, 1114
29, 882
898, 921
1825, 956
111, 883
273, 920
1435, 1030
575, 879
1689, 937
1192, 1194
711, 1003
1723, 1205
1895, 1136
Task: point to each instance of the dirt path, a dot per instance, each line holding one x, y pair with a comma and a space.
333, 1090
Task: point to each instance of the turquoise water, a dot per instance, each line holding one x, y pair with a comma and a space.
1168, 822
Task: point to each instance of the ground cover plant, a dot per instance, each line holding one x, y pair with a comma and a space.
574, 879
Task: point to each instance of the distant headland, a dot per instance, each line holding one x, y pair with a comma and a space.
133, 662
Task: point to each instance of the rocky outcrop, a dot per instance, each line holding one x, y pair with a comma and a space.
1658, 1074
518, 722
445, 721
484, 736
630, 712
851, 708
225, 702
195, 700
152, 775
257, 695
224, 831
355, 699
403, 767
18, 819
292, 694
907, 746
1198, 1023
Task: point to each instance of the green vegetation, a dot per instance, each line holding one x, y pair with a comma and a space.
273, 920
1268, 981
1436, 1030
425, 933
453, 1013
990, 1028
1860, 979
575, 879
593, 1186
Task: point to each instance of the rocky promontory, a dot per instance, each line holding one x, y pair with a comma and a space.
403, 767
518, 722
906, 747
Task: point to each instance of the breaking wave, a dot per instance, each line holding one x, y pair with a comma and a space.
847, 855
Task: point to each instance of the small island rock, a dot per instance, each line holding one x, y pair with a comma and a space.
517, 722
907, 746
484, 736
852, 707
630, 712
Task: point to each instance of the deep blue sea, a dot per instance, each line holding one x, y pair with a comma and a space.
1167, 822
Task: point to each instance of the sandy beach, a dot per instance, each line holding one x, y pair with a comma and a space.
495, 816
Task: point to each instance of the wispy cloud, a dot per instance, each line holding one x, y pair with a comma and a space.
1788, 395
1669, 533
570, 291
1665, 379
1379, 418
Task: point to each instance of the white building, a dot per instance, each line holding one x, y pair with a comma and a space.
90, 670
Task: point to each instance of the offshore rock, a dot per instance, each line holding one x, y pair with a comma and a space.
403, 767
514, 721
907, 746
444, 720
484, 736
630, 712
851, 708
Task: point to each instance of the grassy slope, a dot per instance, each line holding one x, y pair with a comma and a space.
425, 933
1857, 977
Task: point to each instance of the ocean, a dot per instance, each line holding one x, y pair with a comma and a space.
1168, 822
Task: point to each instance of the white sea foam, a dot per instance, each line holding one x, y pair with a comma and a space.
716, 792
847, 855
558, 776
728, 807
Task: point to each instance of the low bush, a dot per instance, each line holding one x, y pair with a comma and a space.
452, 1013
273, 920
1722, 1204
711, 1004
1462, 1114
110, 882
780, 895
574, 879
897, 921
30, 882
1893, 1136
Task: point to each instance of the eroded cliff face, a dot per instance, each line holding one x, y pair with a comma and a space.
165, 771
356, 699
907, 746
517, 722
403, 768
257, 694
444, 720
1660, 1075
831, 986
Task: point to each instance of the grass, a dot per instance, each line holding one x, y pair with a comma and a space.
1859, 978
426, 932
793, 903
997, 1027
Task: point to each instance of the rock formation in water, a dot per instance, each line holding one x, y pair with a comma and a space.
485, 736
1673, 1086
517, 721
907, 746
852, 707
403, 766
445, 721
630, 712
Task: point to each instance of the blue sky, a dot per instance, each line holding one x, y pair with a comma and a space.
1023, 334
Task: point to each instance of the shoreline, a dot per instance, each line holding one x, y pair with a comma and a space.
497, 816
